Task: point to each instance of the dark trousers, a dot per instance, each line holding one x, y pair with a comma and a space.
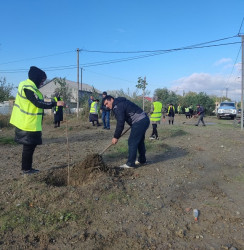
27, 156
155, 131
106, 119
57, 124
136, 142
201, 119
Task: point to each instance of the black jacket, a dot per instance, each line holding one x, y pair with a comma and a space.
200, 110
126, 111
103, 107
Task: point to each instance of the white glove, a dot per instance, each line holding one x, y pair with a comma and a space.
54, 112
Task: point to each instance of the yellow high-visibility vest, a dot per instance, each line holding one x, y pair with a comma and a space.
56, 100
172, 108
93, 109
25, 115
157, 112
187, 110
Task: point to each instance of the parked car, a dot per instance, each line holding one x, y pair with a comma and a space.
227, 109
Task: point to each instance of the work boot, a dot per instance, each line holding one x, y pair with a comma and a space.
30, 171
125, 166
139, 163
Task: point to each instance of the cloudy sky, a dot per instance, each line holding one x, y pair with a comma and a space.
181, 45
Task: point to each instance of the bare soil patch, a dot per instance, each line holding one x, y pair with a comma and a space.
105, 207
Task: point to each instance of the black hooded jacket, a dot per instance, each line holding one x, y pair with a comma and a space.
37, 75
126, 111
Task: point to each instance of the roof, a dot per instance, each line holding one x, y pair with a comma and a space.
73, 85
49, 88
148, 98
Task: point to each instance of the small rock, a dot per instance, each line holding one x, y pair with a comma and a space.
180, 233
225, 247
149, 227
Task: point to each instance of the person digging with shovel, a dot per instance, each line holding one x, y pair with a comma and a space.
200, 113
127, 111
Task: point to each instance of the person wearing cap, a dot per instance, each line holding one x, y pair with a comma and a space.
200, 113
105, 113
27, 116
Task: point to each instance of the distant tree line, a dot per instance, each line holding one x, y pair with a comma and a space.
190, 99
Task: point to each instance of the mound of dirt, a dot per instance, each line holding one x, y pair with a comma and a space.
88, 170
84, 172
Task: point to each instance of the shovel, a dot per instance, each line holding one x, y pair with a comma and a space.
112, 143
194, 116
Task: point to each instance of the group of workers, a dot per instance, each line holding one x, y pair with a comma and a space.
93, 116
27, 116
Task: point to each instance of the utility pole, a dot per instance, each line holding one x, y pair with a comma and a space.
78, 51
226, 93
242, 79
81, 69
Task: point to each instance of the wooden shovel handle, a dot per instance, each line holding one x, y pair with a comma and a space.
112, 143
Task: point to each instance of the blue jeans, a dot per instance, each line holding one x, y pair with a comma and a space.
136, 141
106, 119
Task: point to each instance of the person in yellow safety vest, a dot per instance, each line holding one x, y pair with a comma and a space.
94, 113
58, 111
171, 113
27, 115
179, 109
156, 114
187, 113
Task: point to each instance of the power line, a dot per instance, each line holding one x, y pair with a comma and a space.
154, 51
118, 52
234, 65
240, 26
99, 63
152, 54
38, 57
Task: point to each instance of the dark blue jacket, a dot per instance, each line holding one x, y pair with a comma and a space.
126, 111
103, 107
200, 110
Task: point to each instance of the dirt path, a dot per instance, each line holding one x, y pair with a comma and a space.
146, 208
